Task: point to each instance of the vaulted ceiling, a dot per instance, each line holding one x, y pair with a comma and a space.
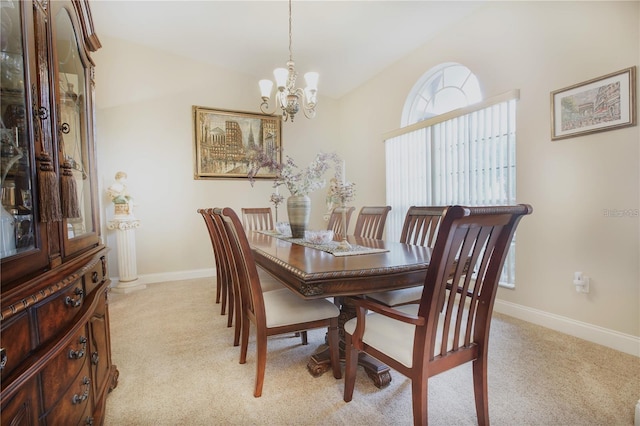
347, 42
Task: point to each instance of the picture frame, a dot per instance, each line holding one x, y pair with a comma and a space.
597, 105
225, 142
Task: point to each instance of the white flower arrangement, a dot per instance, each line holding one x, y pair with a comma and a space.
298, 181
340, 193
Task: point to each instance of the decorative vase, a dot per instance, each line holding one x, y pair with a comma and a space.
299, 211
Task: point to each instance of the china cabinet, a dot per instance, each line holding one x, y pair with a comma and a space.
55, 354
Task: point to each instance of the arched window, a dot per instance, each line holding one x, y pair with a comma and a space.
453, 148
443, 88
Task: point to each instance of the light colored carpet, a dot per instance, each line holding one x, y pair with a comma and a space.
178, 367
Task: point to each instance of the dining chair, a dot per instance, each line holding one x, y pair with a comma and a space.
273, 312
229, 272
335, 220
257, 219
222, 280
422, 340
420, 227
260, 219
371, 221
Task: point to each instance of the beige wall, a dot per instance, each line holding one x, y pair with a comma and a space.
539, 47
144, 101
145, 128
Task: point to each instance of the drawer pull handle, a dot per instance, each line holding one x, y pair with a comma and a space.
95, 358
77, 399
80, 352
89, 421
74, 303
94, 277
3, 358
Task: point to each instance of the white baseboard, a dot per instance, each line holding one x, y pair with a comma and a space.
593, 333
170, 276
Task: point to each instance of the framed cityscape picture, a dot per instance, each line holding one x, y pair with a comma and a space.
226, 141
603, 103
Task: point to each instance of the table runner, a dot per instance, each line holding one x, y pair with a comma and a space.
330, 247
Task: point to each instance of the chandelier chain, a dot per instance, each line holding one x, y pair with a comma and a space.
290, 34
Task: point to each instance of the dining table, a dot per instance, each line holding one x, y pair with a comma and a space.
315, 271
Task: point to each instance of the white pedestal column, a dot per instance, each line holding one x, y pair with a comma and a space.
126, 243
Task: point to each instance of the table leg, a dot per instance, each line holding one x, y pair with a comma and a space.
320, 361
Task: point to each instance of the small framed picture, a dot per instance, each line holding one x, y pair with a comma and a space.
225, 142
597, 105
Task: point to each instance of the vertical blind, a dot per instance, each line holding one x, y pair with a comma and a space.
466, 156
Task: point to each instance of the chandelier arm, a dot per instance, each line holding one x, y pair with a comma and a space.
299, 92
309, 113
308, 108
264, 107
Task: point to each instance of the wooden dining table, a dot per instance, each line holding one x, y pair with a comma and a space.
312, 273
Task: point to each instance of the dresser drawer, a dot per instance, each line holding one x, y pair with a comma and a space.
73, 407
99, 345
16, 343
96, 275
64, 368
57, 312
22, 408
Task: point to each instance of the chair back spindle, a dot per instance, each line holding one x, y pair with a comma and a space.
257, 219
335, 220
421, 225
371, 221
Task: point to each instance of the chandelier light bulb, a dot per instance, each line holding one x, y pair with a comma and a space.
281, 77
311, 78
265, 88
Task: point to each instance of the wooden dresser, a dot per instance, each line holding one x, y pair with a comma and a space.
55, 353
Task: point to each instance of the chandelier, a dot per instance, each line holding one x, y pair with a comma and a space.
289, 98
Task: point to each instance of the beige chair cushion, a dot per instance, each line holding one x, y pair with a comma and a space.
267, 282
395, 338
391, 337
283, 307
398, 297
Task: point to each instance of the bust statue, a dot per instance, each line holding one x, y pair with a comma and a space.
122, 200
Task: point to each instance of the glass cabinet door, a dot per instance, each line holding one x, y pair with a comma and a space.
73, 136
16, 173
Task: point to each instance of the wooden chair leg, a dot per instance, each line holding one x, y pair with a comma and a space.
480, 390
351, 364
240, 321
334, 354
223, 306
303, 337
261, 362
218, 289
232, 306
245, 339
238, 328
419, 395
